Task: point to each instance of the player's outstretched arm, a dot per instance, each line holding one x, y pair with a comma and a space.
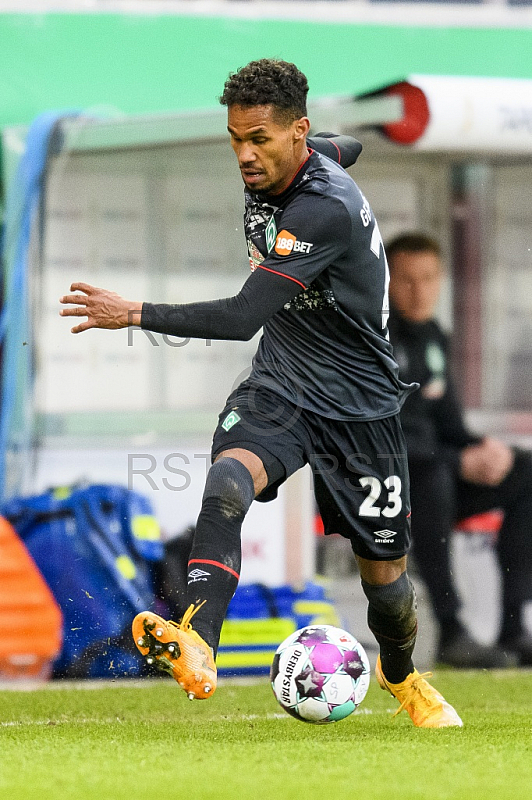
103, 309
237, 318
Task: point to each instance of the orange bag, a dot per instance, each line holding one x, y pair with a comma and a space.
30, 619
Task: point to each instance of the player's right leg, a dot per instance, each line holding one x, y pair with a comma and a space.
176, 648
256, 446
187, 650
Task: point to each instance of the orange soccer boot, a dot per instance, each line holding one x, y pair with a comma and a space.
176, 648
426, 707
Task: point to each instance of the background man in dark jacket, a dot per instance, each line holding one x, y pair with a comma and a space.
454, 473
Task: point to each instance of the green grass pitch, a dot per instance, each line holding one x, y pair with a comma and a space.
146, 740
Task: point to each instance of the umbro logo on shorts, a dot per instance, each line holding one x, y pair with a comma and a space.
198, 575
385, 536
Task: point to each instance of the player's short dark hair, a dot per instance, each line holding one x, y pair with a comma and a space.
269, 81
413, 242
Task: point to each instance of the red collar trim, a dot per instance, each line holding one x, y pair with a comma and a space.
296, 173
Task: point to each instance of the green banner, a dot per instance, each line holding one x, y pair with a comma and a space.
134, 64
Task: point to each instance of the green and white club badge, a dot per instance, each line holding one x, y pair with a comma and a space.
231, 419
271, 233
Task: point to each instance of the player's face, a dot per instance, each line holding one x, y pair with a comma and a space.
269, 151
415, 281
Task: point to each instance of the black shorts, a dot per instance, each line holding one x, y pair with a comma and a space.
359, 469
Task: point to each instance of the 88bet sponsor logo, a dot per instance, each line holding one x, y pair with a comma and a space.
287, 243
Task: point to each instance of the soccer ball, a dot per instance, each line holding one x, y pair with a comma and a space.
320, 674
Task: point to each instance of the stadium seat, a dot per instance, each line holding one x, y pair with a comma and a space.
487, 523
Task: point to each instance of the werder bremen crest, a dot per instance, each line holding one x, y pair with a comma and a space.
435, 358
271, 233
231, 419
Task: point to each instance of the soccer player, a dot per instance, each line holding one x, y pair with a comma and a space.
453, 473
323, 390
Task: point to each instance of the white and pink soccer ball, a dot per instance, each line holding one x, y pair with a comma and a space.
320, 674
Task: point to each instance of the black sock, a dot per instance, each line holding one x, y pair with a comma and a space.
214, 563
392, 620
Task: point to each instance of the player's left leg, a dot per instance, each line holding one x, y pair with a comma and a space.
392, 614
392, 619
366, 499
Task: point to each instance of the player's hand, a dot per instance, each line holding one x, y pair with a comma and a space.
102, 308
486, 463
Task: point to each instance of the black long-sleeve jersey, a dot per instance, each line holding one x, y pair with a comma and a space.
319, 288
432, 418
